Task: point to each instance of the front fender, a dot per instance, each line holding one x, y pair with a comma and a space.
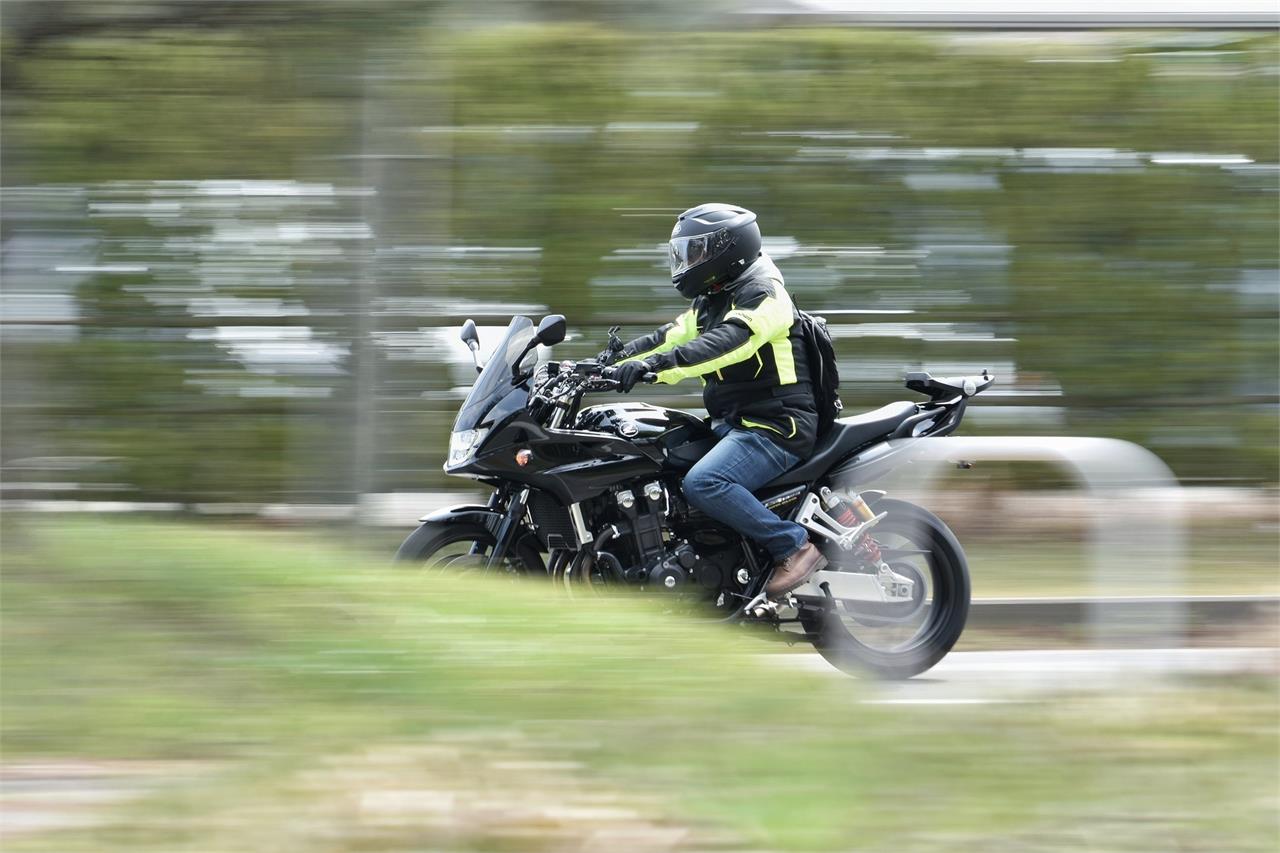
470, 516
466, 514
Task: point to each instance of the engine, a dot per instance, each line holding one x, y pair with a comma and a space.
647, 553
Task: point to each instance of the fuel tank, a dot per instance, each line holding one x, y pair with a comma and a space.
681, 438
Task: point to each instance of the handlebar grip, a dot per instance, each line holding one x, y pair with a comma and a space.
611, 372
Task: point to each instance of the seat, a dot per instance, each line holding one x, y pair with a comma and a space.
845, 436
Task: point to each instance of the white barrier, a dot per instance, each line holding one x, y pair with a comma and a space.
1136, 533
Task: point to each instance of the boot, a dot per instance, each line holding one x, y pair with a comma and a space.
790, 572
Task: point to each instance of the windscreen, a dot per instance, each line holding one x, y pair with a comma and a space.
494, 382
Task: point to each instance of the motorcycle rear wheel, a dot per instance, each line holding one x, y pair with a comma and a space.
944, 618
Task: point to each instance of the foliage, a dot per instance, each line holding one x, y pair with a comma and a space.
1121, 282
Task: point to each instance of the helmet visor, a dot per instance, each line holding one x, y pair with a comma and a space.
688, 252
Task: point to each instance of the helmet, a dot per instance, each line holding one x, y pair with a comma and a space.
710, 246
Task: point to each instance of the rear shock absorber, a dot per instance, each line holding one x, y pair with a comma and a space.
850, 512
841, 518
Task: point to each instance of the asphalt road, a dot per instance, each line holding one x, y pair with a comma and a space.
970, 678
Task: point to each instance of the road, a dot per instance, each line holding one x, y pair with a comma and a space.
1045, 14
970, 678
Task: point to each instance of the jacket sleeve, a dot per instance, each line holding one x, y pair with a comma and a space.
666, 338
756, 317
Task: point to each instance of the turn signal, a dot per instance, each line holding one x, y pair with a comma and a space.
523, 457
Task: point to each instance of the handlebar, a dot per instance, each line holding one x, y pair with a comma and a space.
648, 378
584, 376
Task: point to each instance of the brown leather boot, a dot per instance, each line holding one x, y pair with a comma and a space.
792, 571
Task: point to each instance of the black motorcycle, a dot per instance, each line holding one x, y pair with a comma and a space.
591, 498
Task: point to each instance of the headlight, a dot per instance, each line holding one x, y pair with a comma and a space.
462, 445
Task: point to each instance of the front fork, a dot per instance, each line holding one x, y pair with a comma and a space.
512, 509
508, 528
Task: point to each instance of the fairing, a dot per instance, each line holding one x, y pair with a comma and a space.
496, 394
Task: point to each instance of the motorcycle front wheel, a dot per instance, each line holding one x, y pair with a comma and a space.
462, 547
897, 641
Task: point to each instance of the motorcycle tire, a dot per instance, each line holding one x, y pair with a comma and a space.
945, 619
431, 538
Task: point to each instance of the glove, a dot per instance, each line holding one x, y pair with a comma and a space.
629, 374
606, 357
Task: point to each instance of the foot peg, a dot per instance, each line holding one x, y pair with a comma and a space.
759, 607
762, 607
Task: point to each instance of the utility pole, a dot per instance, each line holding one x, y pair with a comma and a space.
364, 347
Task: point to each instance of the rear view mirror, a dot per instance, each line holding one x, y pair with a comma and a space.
471, 338
469, 335
551, 330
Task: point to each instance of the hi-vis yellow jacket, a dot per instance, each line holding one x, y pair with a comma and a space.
744, 343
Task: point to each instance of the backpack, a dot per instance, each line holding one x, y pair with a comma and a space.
824, 372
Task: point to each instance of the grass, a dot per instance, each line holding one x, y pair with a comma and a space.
345, 705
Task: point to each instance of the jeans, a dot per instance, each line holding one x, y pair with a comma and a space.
721, 483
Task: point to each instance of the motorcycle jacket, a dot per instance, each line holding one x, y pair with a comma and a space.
745, 343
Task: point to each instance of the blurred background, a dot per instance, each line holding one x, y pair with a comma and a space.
239, 239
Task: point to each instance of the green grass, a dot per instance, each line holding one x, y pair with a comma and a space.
309, 677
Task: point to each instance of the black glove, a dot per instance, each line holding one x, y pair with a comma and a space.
606, 357
629, 374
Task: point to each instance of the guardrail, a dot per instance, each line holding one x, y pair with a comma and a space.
1060, 612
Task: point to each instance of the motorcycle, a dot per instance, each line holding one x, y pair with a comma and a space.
590, 498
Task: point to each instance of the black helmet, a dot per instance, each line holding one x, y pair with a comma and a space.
711, 245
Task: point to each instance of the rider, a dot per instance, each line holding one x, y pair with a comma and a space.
742, 338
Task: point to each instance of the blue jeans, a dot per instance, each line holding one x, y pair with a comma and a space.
721, 483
